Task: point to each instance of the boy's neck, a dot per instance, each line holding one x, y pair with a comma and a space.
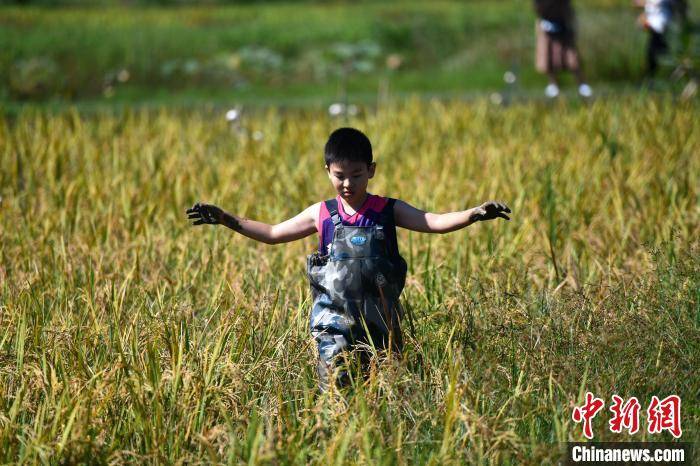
354, 204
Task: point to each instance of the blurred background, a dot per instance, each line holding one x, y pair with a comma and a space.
297, 52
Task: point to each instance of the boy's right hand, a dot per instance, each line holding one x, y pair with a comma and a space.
205, 213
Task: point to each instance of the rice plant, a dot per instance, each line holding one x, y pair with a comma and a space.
126, 336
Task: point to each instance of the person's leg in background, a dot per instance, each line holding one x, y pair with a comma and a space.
574, 64
656, 47
543, 61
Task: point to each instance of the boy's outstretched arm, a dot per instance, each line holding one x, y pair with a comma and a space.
407, 216
300, 226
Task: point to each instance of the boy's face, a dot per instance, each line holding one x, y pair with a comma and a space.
350, 179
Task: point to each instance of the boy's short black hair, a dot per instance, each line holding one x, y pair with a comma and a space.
348, 145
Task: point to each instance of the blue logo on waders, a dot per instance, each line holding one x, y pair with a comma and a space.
358, 240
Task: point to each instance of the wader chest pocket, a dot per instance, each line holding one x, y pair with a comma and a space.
358, 240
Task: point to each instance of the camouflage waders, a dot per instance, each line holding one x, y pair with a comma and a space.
355, 290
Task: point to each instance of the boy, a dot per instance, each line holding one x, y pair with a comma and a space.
357, 274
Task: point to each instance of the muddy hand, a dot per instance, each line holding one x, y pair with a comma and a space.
491, 210
205, 214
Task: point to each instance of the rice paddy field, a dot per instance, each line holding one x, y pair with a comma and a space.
129, 336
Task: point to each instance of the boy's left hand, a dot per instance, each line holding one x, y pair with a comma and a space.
490, 210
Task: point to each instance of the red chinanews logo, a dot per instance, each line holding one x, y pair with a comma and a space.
661, 415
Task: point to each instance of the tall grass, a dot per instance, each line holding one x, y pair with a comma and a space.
128, 336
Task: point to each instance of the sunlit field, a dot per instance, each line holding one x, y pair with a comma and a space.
127, 335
